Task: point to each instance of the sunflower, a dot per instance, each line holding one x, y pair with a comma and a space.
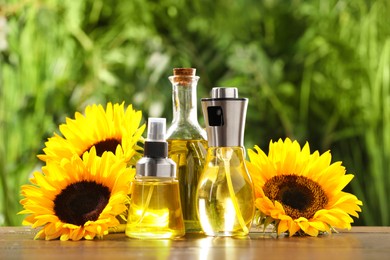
300, 192
79, 198
112, 129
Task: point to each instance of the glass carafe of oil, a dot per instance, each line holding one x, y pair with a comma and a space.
155, 209
225, 195
187, 142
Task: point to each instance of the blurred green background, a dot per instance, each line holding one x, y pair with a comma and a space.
314, 70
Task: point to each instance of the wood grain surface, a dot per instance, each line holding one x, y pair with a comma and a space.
358, 243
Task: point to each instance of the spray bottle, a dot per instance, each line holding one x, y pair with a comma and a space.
225, 195
155, 209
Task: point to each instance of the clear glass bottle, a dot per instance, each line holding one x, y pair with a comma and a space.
225, 196
155, 209
187, 142
225, 193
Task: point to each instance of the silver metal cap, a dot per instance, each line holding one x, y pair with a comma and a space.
224, 93
156, 167
225, 115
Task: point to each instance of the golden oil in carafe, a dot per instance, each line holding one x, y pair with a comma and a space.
225, 195
155, 210
189, 156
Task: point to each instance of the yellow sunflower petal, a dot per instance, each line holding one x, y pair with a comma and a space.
76, 234
65, 236
293, 228
308, 229
89, 235
40, 234
282, 227
43, 182
52, 230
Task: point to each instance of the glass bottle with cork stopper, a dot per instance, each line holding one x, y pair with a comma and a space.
187, 142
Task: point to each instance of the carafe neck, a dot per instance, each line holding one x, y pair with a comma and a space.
184, 99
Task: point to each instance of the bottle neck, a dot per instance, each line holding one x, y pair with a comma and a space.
225, 154
184, 99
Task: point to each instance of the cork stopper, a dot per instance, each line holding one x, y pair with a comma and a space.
184, 76
184, 72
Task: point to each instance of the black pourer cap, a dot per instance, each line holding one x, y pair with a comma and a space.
156, 149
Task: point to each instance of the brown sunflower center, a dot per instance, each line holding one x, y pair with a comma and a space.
299, 195
80, 202
106, 145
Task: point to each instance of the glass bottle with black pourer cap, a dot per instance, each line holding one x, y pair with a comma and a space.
155, 208
187, 142
225, 197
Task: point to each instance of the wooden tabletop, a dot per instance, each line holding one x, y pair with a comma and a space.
359, 243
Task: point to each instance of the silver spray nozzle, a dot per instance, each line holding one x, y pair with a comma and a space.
156, 129
225, 115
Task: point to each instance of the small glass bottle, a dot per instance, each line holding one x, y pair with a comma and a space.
187, 142
225, 197
155, 208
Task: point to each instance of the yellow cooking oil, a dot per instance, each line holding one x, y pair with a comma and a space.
225, 194
189, 156
155, 210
